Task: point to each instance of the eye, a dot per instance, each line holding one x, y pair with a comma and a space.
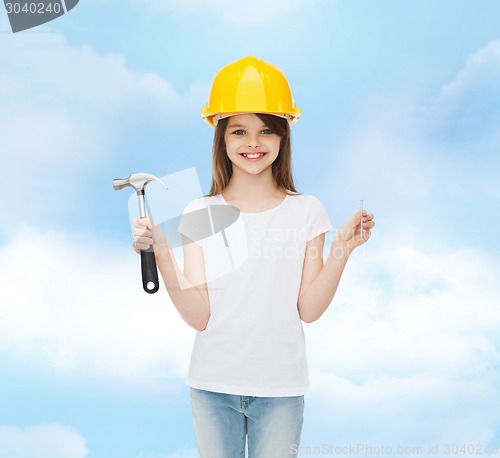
239, 132
267, 131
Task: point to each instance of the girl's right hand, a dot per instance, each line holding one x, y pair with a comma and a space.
147, 234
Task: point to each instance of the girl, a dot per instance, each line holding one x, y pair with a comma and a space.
247, 288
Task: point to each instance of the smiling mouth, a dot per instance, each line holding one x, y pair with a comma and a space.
253, 155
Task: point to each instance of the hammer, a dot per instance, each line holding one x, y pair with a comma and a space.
138, 181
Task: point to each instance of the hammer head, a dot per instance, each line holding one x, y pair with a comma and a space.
138, 181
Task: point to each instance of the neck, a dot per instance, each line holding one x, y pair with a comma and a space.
245, 186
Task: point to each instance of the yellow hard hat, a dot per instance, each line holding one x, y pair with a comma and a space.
250, 85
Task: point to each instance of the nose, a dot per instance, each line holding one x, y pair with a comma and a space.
253, 141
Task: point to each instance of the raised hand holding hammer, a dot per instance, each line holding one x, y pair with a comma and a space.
138, 181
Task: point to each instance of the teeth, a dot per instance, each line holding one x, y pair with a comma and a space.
253, 156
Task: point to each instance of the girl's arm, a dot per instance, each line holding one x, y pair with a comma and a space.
320, 282
187, 290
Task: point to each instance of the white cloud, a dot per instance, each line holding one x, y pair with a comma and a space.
78, 304
467, 109
481, 71
42, 441
66, 111
238, 12
380, 163
409, 352
426, 166
70, 93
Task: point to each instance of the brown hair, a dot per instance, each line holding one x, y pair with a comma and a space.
222, 167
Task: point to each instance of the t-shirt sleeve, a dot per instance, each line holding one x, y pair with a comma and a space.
318, 221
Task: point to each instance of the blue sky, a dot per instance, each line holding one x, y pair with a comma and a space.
401, 107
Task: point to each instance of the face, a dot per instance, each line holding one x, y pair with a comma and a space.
251, 146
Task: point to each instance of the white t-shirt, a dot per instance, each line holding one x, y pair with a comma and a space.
254, 342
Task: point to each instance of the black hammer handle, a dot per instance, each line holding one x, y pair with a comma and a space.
149, 272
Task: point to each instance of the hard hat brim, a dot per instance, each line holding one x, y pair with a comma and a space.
212, 119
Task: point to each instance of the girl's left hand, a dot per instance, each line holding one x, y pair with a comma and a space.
348, 236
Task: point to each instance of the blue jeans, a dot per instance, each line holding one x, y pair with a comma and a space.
223, 421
